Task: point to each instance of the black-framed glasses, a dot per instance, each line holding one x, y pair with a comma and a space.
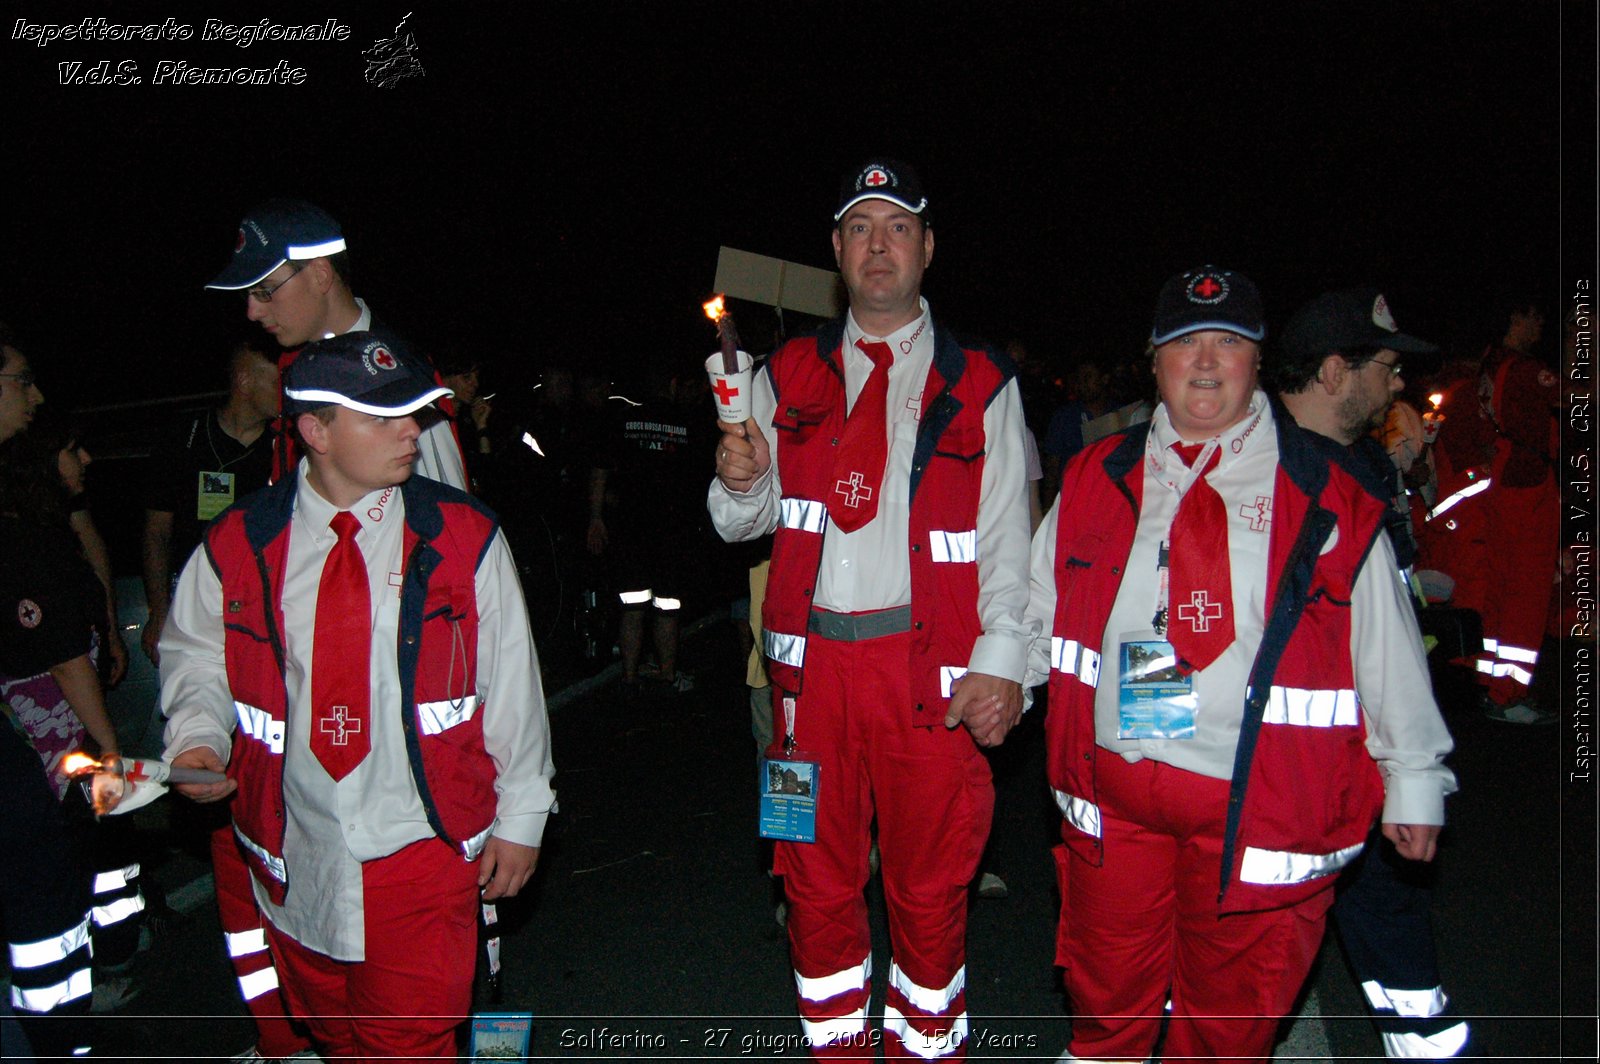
1394, 368
263, 294
24, 380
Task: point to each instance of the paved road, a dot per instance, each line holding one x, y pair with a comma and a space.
649, 931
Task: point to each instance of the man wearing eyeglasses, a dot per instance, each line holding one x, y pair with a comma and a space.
1339, 366
291, 263
19, 393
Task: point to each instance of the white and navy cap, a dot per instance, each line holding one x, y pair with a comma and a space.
884, 179
365, 371
276, 232
1208, 298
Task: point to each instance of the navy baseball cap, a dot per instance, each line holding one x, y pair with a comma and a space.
884, 179
1208, 298
364, 371
1349, 318
276, 232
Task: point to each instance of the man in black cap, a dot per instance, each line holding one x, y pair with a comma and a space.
1338, 368
888, 462
291, 262
356, 637
1234, 697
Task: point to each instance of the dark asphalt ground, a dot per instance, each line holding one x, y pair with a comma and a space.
649, 930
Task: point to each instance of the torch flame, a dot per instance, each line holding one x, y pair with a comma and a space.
713, 308
77, 762
1436, 398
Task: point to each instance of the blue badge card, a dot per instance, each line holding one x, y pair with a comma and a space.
500, 1036
1154, 701
788, 789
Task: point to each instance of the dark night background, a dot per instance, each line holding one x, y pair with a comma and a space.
558, 183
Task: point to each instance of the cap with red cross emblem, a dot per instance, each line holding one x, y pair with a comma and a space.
1208, 298
884, 179
364, 371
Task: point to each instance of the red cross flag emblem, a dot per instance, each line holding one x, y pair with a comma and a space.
1207, 288
383, 359
876, 177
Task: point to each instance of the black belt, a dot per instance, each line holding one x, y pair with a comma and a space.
854, 627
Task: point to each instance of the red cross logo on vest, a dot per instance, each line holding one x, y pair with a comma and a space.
1199, 611
341, 654
1259, 513
725, 391
875, 178
339, 724
863, 446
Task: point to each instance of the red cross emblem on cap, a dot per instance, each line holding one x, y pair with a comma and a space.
1207, 287
238, 245
383, 359
876, 177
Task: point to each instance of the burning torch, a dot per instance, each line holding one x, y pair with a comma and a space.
730, 369
1432, 420
122, 784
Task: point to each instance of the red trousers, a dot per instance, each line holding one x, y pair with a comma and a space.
934, 800
406, 999
243, 932
1144, 928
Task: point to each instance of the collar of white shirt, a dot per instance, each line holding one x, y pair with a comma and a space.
1242, 438
912, 338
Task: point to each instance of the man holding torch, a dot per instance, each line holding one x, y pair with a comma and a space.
887, 460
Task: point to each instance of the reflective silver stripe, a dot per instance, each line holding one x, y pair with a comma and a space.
784, 649
244, 943
635, 598
50, 950
948, 675
1465, 493
926, 1046
116, 879
1279, 868
668, 604
45, 998
926, 998
1312, 708
1505, 668
316, 251
1080, 813
1507, 652
255, 984
437, 717
1484, 665
275, 865
823, 987
1491, 645
954, 546
259, 725
474, 846
802, 515
1443, 1045
117, 911
1417, 1004
821, 1032
1074, 659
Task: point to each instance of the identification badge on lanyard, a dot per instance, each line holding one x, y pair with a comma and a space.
1154, 699
787, 787
214, 494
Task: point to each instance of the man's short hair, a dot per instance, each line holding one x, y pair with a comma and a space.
1295, 373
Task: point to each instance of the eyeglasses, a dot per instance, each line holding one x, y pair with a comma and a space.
1394, 368
24, 380
262, 294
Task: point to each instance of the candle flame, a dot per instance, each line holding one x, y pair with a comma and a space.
1436, 398
78, 762
713, 308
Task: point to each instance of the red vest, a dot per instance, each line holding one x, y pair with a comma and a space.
946, 480
1304, 791
446, 534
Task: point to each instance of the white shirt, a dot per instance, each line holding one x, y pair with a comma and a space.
1406, 735
870, 569
375, 810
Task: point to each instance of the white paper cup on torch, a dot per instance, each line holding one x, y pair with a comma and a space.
731, 391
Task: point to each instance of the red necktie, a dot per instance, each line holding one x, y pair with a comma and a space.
864, 447
1200, 615
341, 655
